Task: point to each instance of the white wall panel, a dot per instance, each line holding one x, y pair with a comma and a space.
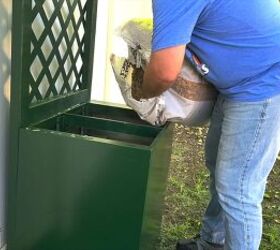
112, 14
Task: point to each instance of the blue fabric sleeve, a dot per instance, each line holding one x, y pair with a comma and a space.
174, 21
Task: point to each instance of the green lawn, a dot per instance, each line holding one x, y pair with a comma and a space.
187, 194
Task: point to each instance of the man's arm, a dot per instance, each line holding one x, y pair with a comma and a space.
162, 71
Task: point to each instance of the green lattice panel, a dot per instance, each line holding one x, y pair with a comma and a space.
56, 47
53, 46
52, 57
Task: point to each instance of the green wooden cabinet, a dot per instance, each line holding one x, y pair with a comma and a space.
83, 176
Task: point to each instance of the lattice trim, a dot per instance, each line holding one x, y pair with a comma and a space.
56, 47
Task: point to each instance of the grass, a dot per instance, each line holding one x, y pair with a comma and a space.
187, 193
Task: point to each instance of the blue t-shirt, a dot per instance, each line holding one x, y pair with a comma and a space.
238, 40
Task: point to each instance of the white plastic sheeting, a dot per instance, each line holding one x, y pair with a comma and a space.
5, 59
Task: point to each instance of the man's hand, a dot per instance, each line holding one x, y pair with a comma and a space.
162, 71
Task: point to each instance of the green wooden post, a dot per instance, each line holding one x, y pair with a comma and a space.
82, 176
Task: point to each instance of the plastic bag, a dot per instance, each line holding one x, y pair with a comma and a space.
137, 34
190, 100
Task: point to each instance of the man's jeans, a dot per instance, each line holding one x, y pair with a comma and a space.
241, 148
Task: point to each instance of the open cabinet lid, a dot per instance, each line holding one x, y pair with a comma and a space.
52, 57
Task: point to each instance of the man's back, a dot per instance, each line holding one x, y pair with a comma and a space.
238, 40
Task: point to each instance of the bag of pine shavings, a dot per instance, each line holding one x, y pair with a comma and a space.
190, 100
